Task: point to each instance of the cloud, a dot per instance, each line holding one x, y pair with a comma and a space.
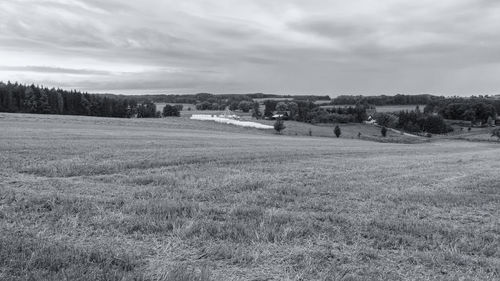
46, 69
294, 46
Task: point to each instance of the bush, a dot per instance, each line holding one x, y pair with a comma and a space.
337, 131
435, 125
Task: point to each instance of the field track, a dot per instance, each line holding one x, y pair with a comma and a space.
84, 198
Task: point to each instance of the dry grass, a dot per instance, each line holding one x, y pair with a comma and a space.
86, 198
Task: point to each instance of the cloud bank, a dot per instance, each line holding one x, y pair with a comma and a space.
225, 46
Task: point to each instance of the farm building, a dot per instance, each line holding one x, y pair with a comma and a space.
280, 115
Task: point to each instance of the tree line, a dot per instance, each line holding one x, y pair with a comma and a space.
414, 121
309, 112
225, 99
21, 98
475, 109
398, 99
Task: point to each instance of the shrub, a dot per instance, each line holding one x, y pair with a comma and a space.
337, 131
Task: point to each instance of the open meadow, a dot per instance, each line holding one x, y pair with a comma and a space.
86, 198
397, 108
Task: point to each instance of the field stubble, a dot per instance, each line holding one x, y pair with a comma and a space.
94, 198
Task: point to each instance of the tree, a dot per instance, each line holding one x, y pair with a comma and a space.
170, 110
337, 131
204, 106
270, 106
281, 106
279, 125
147, 110
294, 109
436, 125
386, 119
245, 106
179, 107
384, 131
256, 111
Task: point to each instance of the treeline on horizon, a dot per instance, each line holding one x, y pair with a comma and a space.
380, 100
19, 98
227, 98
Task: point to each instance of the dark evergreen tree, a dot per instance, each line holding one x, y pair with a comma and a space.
337, 131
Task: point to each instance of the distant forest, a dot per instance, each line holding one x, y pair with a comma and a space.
385, 100
35, 99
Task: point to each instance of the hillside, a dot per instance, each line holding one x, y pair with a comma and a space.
85, 198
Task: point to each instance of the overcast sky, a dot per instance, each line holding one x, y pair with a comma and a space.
234, 46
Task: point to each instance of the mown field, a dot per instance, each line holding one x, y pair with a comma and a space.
85, 198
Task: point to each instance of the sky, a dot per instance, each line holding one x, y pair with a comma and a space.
446, 47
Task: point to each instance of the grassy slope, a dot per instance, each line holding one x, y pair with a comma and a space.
114, 199
475, 135
349, 131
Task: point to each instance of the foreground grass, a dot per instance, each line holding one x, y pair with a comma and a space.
105, 199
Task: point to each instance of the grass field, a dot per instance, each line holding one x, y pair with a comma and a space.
398, 108
349, 131
85, 198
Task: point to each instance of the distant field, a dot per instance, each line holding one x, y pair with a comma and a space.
189, 109
276, 99
384, 108
397, 108
84, 198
